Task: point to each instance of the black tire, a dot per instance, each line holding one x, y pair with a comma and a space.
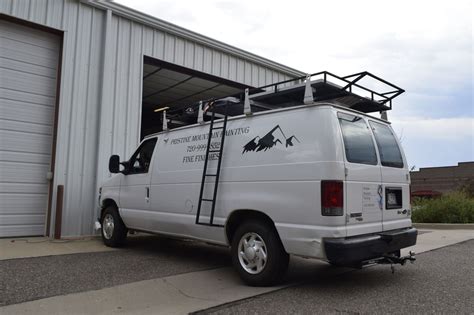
118, 234
276, 263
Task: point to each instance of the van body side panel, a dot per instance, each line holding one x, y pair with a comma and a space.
271, 163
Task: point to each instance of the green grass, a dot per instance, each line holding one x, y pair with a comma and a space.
457, 207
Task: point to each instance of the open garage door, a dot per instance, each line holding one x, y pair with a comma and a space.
28, 74
176, 88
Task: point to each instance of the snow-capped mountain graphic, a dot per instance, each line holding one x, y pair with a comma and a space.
268, 141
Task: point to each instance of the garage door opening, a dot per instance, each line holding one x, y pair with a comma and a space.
178, 90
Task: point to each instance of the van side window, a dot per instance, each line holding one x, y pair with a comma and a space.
141, 159
389, 151
357, 138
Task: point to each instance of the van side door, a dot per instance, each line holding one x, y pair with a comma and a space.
395, 178
135, 186
363, 178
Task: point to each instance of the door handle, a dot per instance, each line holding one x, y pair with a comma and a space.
147, 196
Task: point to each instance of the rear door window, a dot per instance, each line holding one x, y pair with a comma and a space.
389, 151
357, 137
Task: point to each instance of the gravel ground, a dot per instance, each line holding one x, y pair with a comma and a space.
28, 279
440, 281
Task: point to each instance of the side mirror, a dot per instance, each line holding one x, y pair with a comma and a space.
114, 164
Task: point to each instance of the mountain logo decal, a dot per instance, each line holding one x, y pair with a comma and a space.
274, 137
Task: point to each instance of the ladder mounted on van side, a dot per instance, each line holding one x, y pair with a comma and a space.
205, 175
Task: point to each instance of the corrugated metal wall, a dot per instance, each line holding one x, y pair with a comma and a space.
99, 111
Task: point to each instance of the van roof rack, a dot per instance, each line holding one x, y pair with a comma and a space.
361, 91
347, 90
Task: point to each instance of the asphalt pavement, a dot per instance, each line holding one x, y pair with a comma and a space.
156, 275
439, 282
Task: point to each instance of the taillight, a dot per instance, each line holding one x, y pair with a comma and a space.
332, 196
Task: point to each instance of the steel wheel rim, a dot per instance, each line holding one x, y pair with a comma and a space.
252, 252
108, 226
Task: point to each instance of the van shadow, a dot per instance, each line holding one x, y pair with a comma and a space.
317, 275
322, 277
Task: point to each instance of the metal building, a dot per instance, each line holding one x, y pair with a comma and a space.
78, 82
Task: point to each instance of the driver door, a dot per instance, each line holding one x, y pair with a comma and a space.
135, 186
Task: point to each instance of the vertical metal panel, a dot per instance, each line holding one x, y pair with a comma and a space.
37, 11
240, 70
106, 98
255, 75
147, 43
198, 57
65, 113
100, 99
261, 76
216, 63
20, 8
232, 68
158, 44
189, 54
74, 187
91, 122
169, 48
134, 88
207, 60
54, 13
247, 73
121, 92
6, 6
225, 66
179, 52
269, 77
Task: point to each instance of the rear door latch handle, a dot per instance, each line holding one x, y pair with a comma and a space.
147, 197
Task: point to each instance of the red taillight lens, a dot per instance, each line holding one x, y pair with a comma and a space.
332, 198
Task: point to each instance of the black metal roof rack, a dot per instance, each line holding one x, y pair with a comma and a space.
347, 91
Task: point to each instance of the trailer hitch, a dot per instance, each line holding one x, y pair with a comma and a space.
393, 259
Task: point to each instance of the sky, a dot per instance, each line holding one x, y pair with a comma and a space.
423, 46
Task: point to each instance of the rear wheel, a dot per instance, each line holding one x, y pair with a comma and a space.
258, 255
113, 229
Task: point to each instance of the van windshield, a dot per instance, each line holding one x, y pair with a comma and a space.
357, 137
390, 154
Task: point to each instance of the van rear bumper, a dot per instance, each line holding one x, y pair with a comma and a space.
353, 250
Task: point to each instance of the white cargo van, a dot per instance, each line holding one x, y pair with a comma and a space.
318, 180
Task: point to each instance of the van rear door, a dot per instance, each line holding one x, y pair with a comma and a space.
362, 188
395, 178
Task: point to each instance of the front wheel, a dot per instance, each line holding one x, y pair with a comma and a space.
258, 255
113, 229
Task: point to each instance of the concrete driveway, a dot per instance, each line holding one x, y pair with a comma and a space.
154, 275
